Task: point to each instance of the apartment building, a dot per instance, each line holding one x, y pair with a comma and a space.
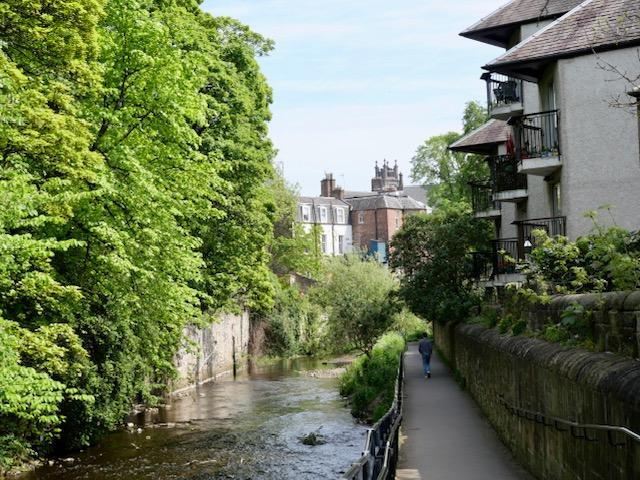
330, 215
560, 141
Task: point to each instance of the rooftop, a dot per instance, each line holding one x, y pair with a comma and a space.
593, 25
497, 27
385, 201
483, 139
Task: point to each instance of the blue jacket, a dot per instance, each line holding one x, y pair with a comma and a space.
425, 347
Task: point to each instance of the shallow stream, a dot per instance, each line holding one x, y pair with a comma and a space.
247, 428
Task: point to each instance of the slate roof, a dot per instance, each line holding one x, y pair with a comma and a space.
517, 12
316, 202
389, 201
594, 24
483, 139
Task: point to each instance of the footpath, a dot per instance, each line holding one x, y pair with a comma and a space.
444, 435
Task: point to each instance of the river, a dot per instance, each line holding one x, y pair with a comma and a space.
247, 428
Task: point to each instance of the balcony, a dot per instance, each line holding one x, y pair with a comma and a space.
537, 139
504, 95
482, 201
497, 267
508, 184
553, 226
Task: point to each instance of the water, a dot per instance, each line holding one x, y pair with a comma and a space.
248, 428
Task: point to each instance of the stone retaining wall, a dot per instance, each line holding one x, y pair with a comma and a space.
567, 383
209, 351
613, 318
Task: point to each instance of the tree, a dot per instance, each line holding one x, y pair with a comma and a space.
433, 254
359, 296
450, 172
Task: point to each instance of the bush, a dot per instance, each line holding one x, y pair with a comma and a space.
369, 381
410, 326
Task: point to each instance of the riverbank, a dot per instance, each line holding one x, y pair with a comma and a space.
246, 428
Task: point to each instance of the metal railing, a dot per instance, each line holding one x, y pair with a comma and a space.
482, 269
502, 90
380, 455
553, 226
504, 174
482, 198
506, 253
537, 135
577, 429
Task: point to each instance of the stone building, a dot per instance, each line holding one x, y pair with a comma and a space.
556, 145
387, 179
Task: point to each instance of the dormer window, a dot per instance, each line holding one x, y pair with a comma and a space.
340, 215
306, 213
323, 214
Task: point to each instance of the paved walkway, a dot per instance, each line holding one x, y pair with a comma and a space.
444, 435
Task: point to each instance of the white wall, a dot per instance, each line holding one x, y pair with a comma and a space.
333, 233
600, 144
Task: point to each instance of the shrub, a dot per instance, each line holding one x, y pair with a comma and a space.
370, 380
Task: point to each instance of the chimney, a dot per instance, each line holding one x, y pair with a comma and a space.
338, 193
400, 182
327, 185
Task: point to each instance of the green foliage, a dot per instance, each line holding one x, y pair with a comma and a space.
370, 380
359, 297
295, 326
134, 162
606, 259
292, 250
450, 172
432, 252
410, 326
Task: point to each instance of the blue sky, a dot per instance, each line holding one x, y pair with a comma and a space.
357, 81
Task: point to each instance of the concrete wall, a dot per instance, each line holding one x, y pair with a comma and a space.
600, 144
209, 351
555, 381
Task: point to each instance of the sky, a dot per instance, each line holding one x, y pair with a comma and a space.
360, 81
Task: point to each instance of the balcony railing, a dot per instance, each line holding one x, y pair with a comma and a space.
537, 135
504, 174
482, 198
553, 226
502, 90
505, 255
482, 265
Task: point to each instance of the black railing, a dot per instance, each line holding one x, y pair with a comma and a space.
537, 135
505, 255
380, 455
482, 198
553, 226
502, 90
482, 266
504, 174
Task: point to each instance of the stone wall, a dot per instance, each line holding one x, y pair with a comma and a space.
209, 351
612, 318
555, 381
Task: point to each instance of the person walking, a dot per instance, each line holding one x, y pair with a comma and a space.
425, 347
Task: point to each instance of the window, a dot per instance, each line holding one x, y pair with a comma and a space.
341, 244
306, 213
360, 218
398, 217
323, 242
340, 215
323, 214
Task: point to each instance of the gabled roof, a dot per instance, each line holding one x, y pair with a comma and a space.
484, 139
329, 202
593, 25
497, 28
